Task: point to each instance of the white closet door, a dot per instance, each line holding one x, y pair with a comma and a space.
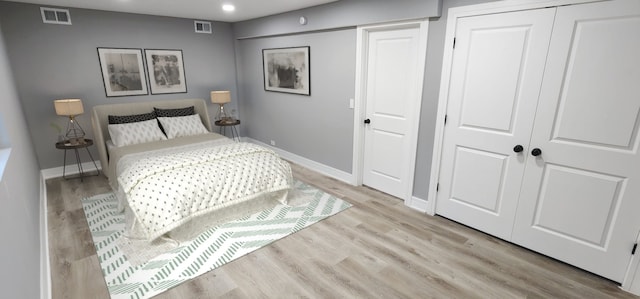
581, 197
496, 76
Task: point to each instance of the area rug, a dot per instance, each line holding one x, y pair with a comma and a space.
209, 250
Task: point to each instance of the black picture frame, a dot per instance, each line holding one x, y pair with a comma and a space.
123, 71
166, 71
287, 70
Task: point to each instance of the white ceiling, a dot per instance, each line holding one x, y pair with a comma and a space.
190, 9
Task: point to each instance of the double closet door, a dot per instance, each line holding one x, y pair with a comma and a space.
541, 142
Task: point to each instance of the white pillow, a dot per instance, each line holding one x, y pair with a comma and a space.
134, 133
182, 126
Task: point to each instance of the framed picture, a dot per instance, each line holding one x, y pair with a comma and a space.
287, 70
166, 71
122, 72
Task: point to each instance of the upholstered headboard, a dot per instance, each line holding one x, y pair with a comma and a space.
100, 118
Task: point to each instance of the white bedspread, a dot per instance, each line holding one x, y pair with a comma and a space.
165, 190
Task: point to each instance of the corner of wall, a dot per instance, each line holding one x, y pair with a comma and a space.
417, 204
45, 272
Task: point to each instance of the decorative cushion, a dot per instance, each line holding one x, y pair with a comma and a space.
125, 119
182, 126
174, 112
134, 133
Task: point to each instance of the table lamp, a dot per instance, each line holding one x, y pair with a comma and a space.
221, 98
71, 108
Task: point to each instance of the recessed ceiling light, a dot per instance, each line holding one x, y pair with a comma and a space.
228, 7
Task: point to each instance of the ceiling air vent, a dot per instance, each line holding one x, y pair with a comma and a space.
202, 27
55, 16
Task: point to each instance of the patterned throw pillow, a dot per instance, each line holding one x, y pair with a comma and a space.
182, 126
125, 119
174, 112
134, 133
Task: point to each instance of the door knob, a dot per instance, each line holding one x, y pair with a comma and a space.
367, 121
536, 152
518, 148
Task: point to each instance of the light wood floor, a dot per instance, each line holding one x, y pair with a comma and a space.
377, 249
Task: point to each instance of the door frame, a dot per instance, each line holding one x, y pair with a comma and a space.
362, 45
447, 61
631, 282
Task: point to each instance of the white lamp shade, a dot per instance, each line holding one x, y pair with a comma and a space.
220, 97
68, 107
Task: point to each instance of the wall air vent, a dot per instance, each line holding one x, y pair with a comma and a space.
202, 26
55, 16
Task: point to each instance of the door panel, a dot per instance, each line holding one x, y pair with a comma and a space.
386, 169
493, 94
480, 90
602, 65
579, 198
391, 93
563, 189
482, 193
391, 62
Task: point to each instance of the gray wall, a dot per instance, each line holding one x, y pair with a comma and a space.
318, 127
19, 196
344, 13
59, 61
328, 138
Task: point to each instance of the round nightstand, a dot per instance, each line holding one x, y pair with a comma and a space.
67, 145
232, 124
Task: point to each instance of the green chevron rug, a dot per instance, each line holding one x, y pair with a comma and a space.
211, 249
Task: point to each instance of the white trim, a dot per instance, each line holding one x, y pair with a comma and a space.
313, 165
45, 265
417, 204
447, 60
358, 111
362, 37
72, 169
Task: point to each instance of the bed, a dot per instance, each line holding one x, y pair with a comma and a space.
174, 177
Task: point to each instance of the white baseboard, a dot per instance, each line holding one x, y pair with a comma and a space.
313, 165
45, 266
417, 204
57, 172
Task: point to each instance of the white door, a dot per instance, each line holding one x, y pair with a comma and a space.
393, 95
580, 200
495, 79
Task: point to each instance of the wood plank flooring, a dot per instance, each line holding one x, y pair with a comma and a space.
377, 249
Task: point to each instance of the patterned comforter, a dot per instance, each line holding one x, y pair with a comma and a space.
165, 190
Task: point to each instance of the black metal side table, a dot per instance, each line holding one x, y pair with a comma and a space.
67, 145
232, 124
